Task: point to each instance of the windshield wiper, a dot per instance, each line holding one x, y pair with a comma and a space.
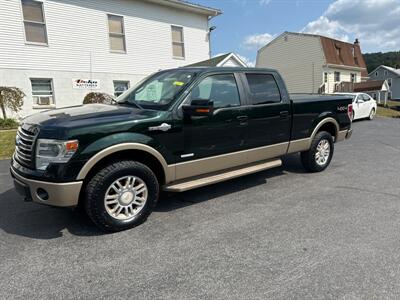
129, 103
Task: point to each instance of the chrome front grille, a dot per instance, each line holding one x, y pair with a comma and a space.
24, 148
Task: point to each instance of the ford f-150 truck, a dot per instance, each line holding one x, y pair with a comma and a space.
176, 130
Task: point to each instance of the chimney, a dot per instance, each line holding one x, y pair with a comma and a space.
356, 42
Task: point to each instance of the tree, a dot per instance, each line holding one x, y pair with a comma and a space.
11, 98
374, 60
95, 97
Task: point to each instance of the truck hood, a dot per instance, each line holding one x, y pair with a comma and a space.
88, 115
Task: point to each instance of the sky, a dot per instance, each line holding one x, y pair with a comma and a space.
247, 25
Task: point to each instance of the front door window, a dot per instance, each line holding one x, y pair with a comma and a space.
221, 89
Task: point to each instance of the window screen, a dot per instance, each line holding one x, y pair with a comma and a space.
116, 33
337, 76
34, 23
42, 91
263, 88
178, 45
120, 87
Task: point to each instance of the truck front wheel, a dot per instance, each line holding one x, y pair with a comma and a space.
320, 154
121, 195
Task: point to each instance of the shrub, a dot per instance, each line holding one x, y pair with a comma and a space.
10, 98
95, 97
8, 124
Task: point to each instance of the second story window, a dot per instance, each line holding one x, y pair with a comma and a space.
326, 77
178, 44
353, 77
116, 33
337, 76
34, 22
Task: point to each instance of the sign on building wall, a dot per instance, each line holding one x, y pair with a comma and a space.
84, 84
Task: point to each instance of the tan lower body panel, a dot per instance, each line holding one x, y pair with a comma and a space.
341, 136
226, 161
197, 182
59, 194
299, 145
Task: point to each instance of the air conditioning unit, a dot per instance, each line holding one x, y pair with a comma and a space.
43, 100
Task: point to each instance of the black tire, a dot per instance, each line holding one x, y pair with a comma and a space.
98, 185
308, 157
371, 114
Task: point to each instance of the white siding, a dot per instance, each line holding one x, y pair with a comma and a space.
298, 58
78, 30
345, 76
78, 44
64, 94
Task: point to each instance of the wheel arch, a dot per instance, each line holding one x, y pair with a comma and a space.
139, 152
329, 125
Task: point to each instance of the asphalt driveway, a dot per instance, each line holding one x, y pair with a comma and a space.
280, 234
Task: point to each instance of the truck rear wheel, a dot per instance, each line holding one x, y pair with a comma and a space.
121, 195
320, 154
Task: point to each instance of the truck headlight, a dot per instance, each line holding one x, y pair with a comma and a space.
53, 151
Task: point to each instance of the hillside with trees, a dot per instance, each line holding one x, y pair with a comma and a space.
390, 59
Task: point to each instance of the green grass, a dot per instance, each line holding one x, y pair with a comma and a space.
392, 111
6, 124
7, 143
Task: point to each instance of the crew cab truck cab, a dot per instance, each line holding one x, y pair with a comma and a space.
177, 130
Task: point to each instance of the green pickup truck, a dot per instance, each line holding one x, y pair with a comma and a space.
176, 130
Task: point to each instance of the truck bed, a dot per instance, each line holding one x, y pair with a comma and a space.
308, 109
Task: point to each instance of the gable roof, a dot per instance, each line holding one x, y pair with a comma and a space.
390, 69
218, 61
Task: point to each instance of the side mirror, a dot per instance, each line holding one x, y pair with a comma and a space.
199, 107
360, 101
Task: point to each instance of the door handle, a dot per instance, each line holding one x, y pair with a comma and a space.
242, 119
162, 127
284, 114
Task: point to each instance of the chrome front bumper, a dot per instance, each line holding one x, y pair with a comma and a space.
49, 193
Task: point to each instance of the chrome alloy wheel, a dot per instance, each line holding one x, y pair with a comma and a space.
323, 152
126, 197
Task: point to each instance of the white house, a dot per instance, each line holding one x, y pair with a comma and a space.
312, 63
57, 51
224, 60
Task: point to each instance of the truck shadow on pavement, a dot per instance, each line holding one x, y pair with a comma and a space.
173, 201
42, 222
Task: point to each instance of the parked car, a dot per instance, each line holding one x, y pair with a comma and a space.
177, 130
364, 106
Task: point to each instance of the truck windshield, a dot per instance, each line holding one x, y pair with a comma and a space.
158, 91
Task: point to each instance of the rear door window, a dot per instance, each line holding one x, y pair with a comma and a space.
366, 97
263, 89
360, 97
